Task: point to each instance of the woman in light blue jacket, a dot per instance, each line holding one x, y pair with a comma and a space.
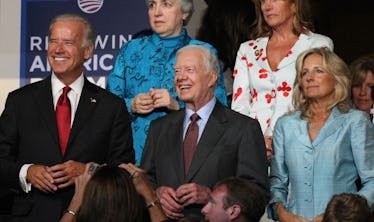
323, 147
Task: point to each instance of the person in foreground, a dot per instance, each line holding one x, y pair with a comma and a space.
111, 193
348, 207
264, 70
50, 129
362, 70
323, 147
235, 199
187, 152
143, 72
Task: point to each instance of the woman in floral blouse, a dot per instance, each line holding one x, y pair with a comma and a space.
264, 71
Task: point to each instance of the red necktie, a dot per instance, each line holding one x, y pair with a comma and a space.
190, 141
63, 117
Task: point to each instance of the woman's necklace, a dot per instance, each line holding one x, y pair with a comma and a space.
310, 126
322, 120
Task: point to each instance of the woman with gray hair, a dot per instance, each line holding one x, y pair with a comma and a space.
323, 147
143, 72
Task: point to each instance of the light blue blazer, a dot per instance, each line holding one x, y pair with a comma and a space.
305, 175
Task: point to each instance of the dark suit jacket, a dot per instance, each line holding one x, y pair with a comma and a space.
231, 145
101, 133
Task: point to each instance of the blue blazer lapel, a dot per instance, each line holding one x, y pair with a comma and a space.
44, 101
332, 124
88, 101
302, 134
211, 135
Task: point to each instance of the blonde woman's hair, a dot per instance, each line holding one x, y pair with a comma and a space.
336, 67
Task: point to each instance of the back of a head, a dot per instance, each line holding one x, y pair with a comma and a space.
348, 207
110, 196
251, 198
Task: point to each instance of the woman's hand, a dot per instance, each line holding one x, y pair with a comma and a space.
142, 104
140, 180
76, 202
162, 98
285, 216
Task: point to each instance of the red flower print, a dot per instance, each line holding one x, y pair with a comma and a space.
285, 88
263, 73
250, 65
255, 95
234, 73
289, 53
268, 121
271, 96
238, 93
258, 53
244, 58
264, 58
251, 43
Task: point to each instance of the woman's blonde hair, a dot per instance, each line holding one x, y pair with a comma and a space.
336, 67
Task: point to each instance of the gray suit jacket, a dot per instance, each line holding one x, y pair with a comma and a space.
230, 145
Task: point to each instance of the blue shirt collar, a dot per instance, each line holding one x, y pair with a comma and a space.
171, 41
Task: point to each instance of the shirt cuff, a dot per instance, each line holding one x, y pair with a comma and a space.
22, 178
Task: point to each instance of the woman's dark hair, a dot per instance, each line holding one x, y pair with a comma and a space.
225, 25
347, 207
110, 196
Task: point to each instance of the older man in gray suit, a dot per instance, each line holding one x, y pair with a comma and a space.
224, 143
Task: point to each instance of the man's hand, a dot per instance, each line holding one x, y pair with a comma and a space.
64, 174
142, 104
269, 147
192, 193
162, 98
40, 177
169, 202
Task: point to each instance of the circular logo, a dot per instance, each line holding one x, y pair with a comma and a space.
90, 6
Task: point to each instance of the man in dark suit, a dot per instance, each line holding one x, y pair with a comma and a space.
228, 143
34, 159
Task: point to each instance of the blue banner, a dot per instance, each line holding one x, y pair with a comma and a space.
114, 21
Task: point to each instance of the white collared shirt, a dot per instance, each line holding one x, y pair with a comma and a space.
204, 114
74, 94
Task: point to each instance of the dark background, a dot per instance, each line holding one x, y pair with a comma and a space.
350, 24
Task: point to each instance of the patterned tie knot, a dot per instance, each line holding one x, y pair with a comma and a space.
194, 117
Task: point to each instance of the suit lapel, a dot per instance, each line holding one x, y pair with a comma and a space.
44, 100
332, 124
88, 101
302, 134
212, 133
176, 147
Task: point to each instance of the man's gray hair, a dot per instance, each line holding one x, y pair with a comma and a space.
89, 34
210, 60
